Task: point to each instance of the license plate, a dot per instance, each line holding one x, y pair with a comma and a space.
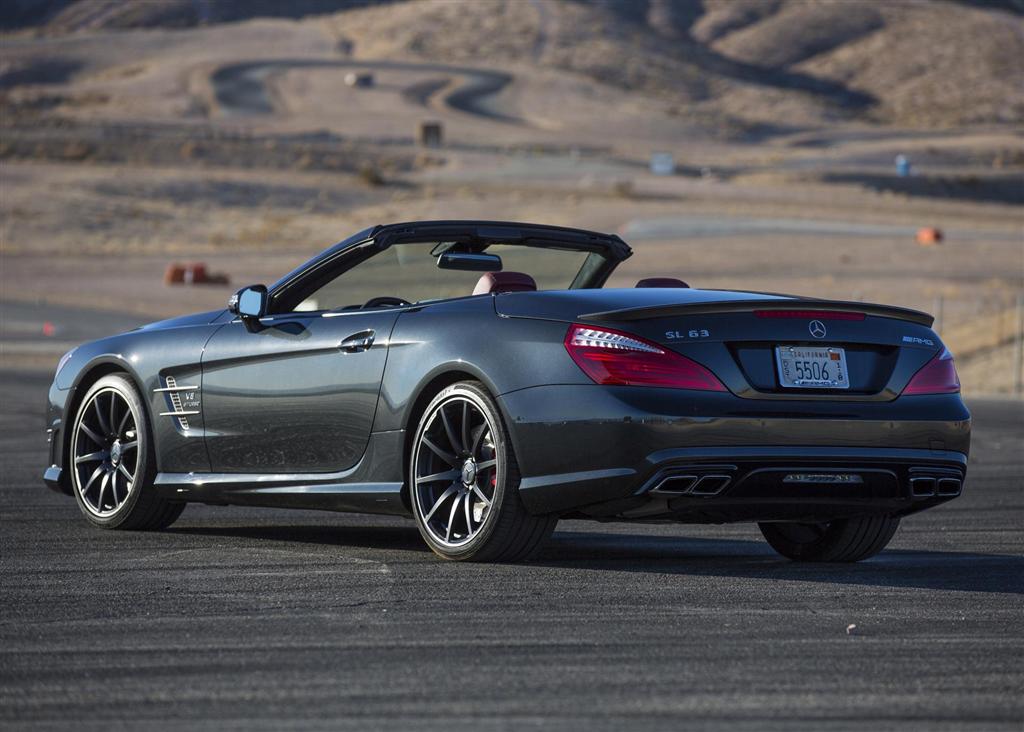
812, 367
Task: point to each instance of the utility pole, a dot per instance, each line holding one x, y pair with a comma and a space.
938, 314
1018, 356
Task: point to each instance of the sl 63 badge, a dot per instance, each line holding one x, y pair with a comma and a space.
678, 335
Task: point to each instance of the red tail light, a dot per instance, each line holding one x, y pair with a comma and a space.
612, 357
938, 376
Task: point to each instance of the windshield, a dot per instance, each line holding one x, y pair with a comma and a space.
410, 272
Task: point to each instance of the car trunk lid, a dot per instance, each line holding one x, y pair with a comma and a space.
745, 341
769, 307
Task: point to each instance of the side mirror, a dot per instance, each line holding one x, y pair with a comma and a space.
469, 262
249, 302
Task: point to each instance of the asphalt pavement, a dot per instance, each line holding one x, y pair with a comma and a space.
268, 619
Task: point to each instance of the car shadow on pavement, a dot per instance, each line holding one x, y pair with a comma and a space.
935, 570
618, 552
396, 538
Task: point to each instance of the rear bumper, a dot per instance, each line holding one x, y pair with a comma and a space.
789, 484
603, 451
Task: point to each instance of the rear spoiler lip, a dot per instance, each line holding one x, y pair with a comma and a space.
704, 308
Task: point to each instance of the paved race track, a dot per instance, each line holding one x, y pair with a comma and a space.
240, 89
249, 618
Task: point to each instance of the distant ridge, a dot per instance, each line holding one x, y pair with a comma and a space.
742, 68
64, 16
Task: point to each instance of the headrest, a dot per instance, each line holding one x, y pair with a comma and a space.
504, 282
661, 282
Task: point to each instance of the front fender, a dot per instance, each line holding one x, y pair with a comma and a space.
147, 356
87, 364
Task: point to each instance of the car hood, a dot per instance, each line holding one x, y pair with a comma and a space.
184, 320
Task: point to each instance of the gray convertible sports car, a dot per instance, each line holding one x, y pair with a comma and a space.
476, 376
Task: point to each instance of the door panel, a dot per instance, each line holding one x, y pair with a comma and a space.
297, 395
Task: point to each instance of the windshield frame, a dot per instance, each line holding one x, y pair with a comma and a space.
605, 253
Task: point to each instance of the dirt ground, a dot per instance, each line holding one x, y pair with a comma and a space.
242, 146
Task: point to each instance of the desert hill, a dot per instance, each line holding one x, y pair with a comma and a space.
745, 66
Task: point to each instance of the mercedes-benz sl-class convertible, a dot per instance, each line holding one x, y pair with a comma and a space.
475, 376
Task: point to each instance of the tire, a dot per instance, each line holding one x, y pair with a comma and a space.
112, 463
842, 540
464, 482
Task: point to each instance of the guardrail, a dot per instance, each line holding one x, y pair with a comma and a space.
985, 332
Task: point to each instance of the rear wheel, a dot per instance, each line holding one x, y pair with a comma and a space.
112, 463
464, 481
842, 540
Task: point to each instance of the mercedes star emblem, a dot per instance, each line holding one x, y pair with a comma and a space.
817, 328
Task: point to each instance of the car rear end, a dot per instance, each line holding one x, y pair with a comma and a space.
718, 408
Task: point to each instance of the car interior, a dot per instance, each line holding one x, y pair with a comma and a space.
432, 277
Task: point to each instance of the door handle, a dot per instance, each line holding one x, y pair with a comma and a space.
357, 342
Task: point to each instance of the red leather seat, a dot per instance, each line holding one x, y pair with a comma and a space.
504, 282
661, 282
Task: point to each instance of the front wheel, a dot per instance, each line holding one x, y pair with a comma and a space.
111, 460
842, 540
464, 481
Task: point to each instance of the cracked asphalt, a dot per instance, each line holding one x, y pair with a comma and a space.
268, 619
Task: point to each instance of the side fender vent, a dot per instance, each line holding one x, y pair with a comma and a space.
176, 401
171, 391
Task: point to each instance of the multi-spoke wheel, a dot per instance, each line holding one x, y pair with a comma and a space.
106, 452
464, 481
109, 460
842, 540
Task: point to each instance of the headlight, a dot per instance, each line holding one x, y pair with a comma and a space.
64, 359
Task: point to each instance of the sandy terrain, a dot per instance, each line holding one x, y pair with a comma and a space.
240, 145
